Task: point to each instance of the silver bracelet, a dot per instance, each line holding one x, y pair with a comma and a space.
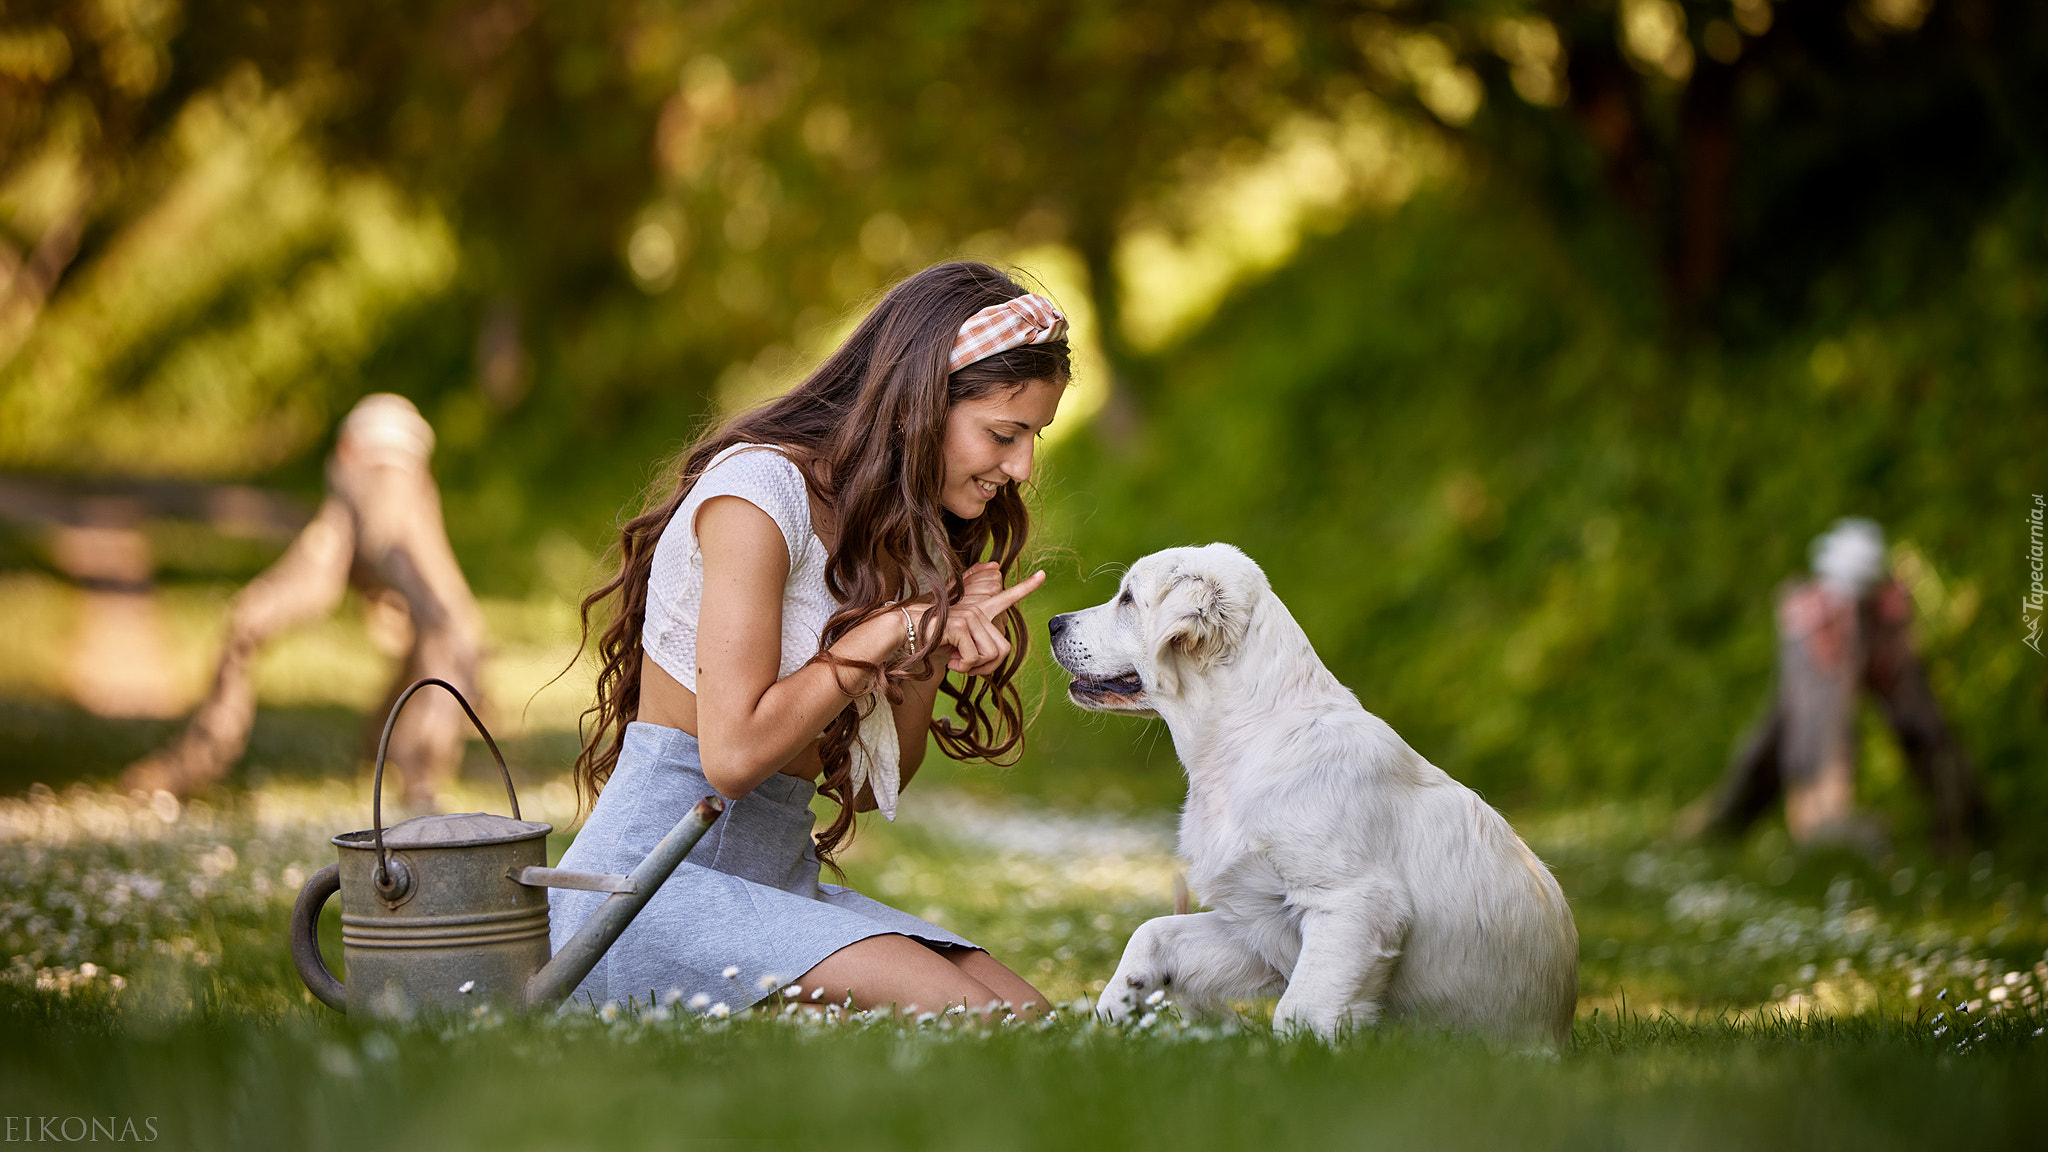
909, 628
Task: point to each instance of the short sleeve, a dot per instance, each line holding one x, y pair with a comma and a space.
764, 478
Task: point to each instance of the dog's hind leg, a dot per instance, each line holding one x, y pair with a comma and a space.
1349, 946
1200, 961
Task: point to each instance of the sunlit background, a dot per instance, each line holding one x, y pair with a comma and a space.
1525, 344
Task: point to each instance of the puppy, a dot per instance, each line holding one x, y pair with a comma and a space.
1345, 873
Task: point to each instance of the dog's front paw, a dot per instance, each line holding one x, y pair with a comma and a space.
1130, 994
1323, 1021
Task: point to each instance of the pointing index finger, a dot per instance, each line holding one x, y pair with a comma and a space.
1002, 601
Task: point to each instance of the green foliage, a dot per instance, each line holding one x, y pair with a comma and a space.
1526, 457
1540, 540
564, 229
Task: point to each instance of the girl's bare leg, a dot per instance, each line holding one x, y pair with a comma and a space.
881, 971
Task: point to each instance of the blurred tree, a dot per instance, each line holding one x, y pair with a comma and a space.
559, 227
285, 207
565, 231
1750, 141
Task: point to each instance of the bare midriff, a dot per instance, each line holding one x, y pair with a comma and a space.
664, 701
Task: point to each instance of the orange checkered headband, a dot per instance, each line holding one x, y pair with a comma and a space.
1028, 319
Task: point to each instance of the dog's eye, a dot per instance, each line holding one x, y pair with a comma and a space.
1127, 598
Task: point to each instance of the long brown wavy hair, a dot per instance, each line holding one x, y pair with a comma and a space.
866, 429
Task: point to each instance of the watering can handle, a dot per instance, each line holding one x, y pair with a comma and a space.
382, 877
305, 937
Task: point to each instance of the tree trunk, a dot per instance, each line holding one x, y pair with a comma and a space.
1829, 648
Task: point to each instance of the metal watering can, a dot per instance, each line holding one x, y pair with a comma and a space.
438, 912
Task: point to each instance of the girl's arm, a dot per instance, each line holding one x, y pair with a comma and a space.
749, 723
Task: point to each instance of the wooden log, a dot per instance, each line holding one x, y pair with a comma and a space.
381, 531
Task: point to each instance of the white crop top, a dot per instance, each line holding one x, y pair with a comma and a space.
765, 478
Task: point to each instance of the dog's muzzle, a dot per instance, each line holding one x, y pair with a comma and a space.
1121, 691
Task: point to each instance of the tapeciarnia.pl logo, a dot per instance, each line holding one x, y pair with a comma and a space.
77, 1130
2035, 605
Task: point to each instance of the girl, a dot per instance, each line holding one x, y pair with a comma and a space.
784, 619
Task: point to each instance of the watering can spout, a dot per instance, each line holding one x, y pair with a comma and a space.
560, 976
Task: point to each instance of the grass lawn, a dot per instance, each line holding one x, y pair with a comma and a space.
1733, 995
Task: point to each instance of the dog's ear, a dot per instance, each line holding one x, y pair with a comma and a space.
1197, 622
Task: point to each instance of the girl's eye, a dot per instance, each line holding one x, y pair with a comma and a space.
1005, 441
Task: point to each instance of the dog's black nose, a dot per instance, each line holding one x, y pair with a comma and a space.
1058, 624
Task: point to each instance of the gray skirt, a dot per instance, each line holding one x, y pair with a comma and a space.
746, 897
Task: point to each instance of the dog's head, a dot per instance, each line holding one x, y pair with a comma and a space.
1178, 613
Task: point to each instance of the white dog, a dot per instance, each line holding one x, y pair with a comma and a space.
1346, 873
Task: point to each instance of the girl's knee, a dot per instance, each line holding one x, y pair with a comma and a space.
1004, 985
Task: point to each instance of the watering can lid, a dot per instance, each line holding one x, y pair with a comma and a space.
461, 828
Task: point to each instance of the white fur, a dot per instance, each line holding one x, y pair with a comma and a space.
1345, 873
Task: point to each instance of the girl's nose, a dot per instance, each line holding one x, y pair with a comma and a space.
1017, 465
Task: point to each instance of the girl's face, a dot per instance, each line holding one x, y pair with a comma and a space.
989, 444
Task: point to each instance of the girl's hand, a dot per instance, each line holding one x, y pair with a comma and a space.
973, 628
